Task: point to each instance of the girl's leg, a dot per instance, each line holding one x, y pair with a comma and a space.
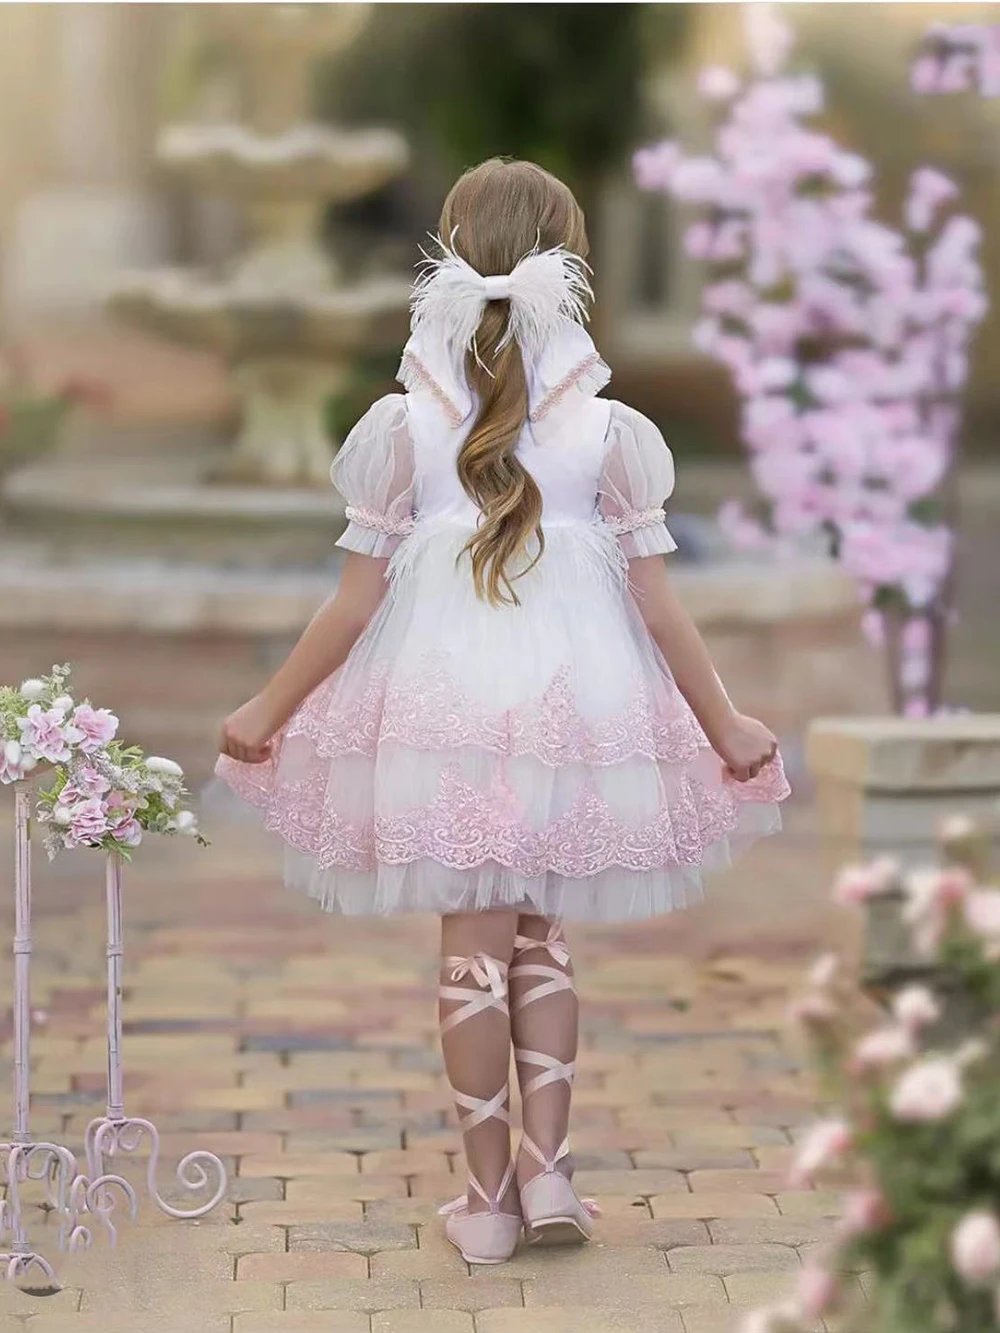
544, 1023
476, 950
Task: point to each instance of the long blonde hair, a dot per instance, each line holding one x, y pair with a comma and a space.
496, 213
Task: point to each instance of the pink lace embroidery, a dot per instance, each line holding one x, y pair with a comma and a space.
590, 376
411, 366
429, 711
373, 518
630, 520
464, 827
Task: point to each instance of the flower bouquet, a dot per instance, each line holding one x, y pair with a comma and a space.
916, 1139
100, 793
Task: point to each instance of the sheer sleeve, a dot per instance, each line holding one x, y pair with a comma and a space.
638, 476
373, 471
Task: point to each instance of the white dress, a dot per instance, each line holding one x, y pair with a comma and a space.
468, 757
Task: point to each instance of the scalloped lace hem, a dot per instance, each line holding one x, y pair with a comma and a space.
428, 710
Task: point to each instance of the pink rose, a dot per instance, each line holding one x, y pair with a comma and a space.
915, 1007
818, 1289
856, 884
975, 1248
884, 1046
824, 1144
98, 726
929, 1091
864, 1210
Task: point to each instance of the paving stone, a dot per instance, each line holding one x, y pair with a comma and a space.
297, 1321
645, 1290
725, 1182
726, 1259
809, 1203
318, 1190
292, 1165
361, 1237
183, 1300
422, 1321
760, 1288
481, 1292
368, 1294
579, 1319
642, 1183
300, 1265
706, 1205
771, 1230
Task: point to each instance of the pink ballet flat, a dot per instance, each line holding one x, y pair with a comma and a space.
553, 1212
483, 1238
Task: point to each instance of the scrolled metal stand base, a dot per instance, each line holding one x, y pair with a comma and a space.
79, 1199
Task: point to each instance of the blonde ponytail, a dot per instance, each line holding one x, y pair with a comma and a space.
497, 213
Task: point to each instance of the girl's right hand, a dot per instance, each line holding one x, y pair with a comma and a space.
247, 733
745, 746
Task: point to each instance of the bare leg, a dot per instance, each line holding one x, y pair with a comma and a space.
476, 950
544, 1022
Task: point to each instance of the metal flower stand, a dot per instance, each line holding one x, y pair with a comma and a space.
78, 1199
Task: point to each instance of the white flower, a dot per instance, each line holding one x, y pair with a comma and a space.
929, 1091
185, 822
32, 688
884, 1046
13, 753
62, 815
975, 1248
915, 1007
64, 702
157, 764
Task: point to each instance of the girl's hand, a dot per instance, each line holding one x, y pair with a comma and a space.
745, 745
246, 734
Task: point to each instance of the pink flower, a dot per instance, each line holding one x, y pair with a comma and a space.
654, 167
45, 733
929, 189
127, 831
83, 782
929, 1091
982, 915
915, 1007
88, 823
12, 761
818, 1290
98, 726
814, 1009
864, 1210
885, 1046
856, 884
924, 76
717, 83
769, 39
825, 1143
975, 1248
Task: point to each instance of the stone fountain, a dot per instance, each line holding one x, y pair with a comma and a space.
280, 314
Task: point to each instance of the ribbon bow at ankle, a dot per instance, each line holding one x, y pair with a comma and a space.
485, 971
555, 947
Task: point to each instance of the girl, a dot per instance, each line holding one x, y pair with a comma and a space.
504, 716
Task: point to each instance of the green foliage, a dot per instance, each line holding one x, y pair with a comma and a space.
559, 84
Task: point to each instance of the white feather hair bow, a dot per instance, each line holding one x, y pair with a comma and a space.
545, 289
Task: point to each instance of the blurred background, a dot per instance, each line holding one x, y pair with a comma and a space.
208, 219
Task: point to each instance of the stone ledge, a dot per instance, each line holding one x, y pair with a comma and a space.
959, 753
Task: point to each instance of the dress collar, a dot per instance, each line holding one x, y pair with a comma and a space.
570, 368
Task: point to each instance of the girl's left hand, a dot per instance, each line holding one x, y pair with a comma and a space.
745, 746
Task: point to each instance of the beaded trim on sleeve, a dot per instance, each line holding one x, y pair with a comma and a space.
371, 518
633, 519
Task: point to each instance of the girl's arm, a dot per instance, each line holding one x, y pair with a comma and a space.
325, 643
743, 743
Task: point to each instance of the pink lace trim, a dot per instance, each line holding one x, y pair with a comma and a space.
411, 365
590, 375
464, 827
630, 520
429, 711
373, 518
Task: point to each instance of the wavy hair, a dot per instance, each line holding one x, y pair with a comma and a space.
497, 213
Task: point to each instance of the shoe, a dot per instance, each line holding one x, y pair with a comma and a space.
483, 1238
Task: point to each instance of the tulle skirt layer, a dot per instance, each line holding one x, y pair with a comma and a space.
467, 757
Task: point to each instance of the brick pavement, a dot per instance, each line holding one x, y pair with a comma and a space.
303, 1049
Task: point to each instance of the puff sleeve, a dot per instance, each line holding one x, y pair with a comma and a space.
373, 471
638, 475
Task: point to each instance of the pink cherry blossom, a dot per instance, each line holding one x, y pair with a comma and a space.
98, 725
975, 1248
929, 189
929, 1091
825, 1144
